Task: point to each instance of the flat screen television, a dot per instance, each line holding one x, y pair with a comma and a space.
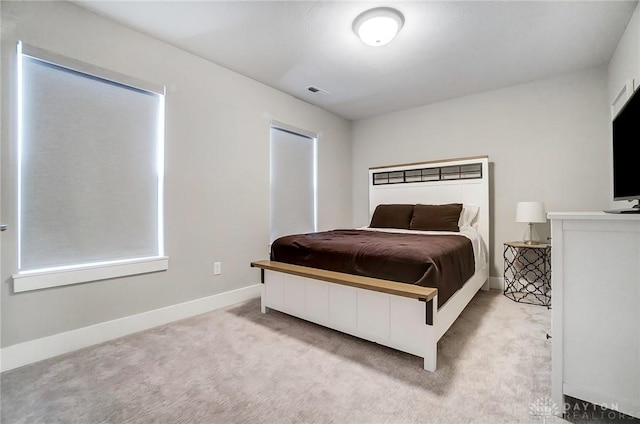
626, 141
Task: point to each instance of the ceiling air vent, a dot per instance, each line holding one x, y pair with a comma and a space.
317, 90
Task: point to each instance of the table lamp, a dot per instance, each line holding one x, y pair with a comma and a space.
530, 212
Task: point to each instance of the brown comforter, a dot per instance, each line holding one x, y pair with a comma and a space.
441, 261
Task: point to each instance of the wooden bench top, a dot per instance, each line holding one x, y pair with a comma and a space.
375, 284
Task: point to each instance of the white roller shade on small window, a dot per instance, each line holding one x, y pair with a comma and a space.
293, 188
90, 167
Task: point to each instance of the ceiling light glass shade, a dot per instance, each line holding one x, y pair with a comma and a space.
378, 26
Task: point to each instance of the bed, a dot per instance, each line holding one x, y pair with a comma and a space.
403, 279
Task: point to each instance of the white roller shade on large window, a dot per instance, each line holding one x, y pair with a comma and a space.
90, 169
293, 188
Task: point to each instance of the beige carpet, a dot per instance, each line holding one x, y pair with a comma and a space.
237, 365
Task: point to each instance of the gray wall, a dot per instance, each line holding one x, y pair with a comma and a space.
547, 140
624, 66
625, 62
217, 170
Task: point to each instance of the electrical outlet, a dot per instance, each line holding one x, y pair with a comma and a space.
217, 268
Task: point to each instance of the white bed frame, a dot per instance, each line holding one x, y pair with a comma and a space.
400, 316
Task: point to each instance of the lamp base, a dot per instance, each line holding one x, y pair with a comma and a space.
530, 236
532, 242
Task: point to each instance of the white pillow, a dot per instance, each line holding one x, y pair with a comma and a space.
469, 216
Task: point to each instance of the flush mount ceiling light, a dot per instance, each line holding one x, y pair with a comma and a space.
378, 26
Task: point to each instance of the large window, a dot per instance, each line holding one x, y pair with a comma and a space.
293, 181
90, 172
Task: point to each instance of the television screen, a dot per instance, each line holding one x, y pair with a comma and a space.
626, 140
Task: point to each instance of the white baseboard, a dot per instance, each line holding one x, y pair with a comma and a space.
47, 347
496, 283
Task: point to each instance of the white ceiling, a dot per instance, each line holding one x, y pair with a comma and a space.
446, 49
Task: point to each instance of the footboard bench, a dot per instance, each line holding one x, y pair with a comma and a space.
424, 294
397, 315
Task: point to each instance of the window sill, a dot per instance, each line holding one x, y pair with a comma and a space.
36, 280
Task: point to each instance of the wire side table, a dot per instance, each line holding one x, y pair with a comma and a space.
527, 273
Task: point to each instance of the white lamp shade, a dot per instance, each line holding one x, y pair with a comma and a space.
378, 26
530, 212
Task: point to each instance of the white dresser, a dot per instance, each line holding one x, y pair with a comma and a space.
595, 281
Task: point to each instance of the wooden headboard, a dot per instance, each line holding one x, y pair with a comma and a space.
461, 180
